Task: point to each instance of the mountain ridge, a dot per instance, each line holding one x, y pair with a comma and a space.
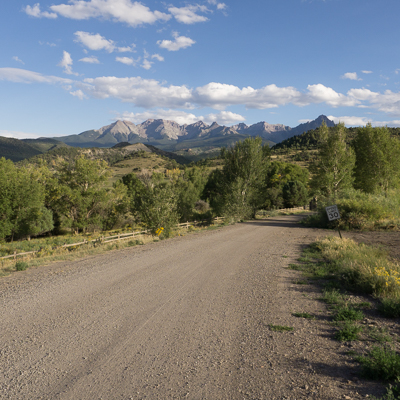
168, 133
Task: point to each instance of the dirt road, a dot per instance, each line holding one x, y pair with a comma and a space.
183, 318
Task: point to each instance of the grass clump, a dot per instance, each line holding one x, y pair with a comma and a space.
348, 332
389, 307
303, 315
332, 297
280, 328
345, 313
21, 266
381, 363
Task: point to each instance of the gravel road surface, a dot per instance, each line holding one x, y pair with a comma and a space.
182, 318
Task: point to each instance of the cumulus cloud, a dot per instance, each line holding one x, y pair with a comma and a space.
366, 72
362, 121
24, 76
126, 11
180, 42
181, 117
90, 60
224, 118
157, 57
15, 58
146, 93
35, 12
66, 63
323, 94
126, 60
352, 76
98, 42
79, 94
188, 15
146, 64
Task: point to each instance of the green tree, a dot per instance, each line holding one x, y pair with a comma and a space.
80, 196
22, 202
333, 169
377, 159
243, 174
153, 201
294, 194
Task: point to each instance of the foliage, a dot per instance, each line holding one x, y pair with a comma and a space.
378, 159
280, 328
237, 190
348, 331
294, 194
22, 201
21, 266
333, 168
390, 307
79, 196
153, 201
346, 313
359, 210
381, 363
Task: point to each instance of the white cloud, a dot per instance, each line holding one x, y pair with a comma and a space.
97, 42
133, 14
181, 117
180, 42
188, 15
147, 64
79, 94
221, 6
18, 134
323, 94
90, 60
157, 57
224, 118
367, 72
66, 63
126, 60
24, 76
146, 93
47, 44
350, 121
15, 58
352, 76
362, 121
35, 12
219, 96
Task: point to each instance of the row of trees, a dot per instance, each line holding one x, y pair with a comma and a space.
370, 162
75, 194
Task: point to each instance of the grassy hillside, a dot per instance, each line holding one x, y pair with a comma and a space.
16, 150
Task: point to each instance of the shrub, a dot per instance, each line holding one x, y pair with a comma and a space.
380, 363
389, 308
348, 332
21, 265
345, 313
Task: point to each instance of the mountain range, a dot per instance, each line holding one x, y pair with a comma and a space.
169, 135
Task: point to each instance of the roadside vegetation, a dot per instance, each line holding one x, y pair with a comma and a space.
361, 286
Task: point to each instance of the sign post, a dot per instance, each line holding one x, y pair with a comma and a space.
333, 214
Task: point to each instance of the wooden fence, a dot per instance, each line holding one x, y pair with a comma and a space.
108, 239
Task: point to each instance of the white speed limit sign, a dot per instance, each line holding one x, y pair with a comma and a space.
332, 212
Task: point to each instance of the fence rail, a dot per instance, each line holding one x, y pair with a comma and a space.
114, 238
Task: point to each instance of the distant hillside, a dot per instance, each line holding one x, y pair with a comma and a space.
16, 150
110, 155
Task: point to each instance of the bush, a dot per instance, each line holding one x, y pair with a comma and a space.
348, 314
380, 363
359, 210
348, 332
21, 265
389, 308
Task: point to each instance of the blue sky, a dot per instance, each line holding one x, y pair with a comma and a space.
67, 66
